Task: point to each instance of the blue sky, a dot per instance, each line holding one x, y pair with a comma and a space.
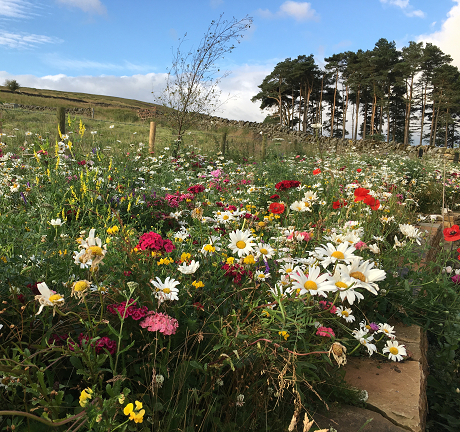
123, 48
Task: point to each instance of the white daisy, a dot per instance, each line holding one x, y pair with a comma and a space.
225, 217
264, 250
241, 242
191, 268
345, 285
345, 313
411, 232
365, 276
387, 329
261, 276
165, 290
331, 254
312, 283
300, 206
47, 297
56, 222
395, 351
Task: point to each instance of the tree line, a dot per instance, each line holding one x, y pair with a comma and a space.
410, 95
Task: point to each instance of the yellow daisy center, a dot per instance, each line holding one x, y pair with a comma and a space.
264, 251
341, 285
358, 275
166, 290
394, 350
240, 244
96, 250
261, 276
345, 313
225, 217
55, 297
80, 286
338, 255
310, 285
288, 270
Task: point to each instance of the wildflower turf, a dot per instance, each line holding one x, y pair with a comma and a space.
171, 293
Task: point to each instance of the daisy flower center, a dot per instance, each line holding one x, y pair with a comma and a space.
394, 350
288, 270
55, 297
358, 275
338, 255
261, 276
225, 217
80, 286
240, 244
341, 285
345, 313
96, 250
310, 285
166, 290
264, 251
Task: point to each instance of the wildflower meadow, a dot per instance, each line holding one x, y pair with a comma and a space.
146, 292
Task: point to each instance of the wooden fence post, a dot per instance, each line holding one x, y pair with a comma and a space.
61, 120
223, 143
264, 147
153, 129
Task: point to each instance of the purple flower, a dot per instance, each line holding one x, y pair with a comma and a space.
456, 279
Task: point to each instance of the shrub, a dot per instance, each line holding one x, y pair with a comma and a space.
12, 85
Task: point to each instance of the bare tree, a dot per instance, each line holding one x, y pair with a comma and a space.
192, 86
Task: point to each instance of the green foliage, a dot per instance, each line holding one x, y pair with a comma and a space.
12, 85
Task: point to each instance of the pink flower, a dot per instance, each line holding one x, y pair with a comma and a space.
300, 235
160, 322
325, 331
360, 245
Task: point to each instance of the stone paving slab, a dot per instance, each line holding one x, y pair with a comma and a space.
351, 419
396, 389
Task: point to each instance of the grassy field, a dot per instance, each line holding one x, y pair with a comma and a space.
129, 129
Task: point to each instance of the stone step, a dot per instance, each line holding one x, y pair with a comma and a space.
397, 390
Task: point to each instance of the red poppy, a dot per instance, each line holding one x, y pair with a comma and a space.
275, 197
359, 170
452, 233
337, 204
372, 202
361, 194
276, 208
316, 171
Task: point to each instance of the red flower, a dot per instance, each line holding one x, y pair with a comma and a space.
360, 194
337, 204
276, 208
359, 170
316, 171
275, 197
452, 233
287, 184
372, 202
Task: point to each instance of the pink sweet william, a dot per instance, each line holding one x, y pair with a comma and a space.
157, 321
325, 331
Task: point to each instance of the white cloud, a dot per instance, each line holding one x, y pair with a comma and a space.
241, 84
80, 64
86, 5
405, 7
300, 11
216, 3
447, 38
15, 8
24, 40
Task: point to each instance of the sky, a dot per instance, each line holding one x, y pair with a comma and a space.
124, 48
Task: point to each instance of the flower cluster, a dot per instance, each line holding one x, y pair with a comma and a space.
154, 242
157, 321
102, 344
128, 310
287, 184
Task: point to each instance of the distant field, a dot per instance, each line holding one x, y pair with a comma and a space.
129, 129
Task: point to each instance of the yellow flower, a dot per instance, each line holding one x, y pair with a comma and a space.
230, 260
209, 248
283, 333
198, 284
185, 257
136, 414
249, 259
85, 396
